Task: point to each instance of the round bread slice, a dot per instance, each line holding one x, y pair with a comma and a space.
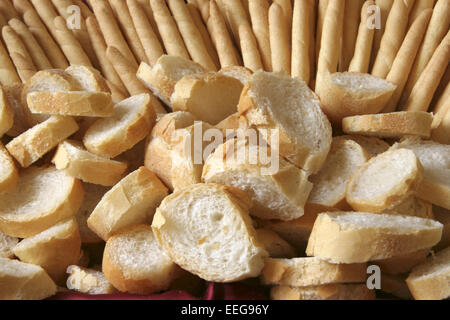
206, 230
6, 113
88, 78
373, 145
7, 245
88, 281
412, 206
42, 197
384, 181
277, 101
357, 237
8, 171
237, 72
134, 262
325, 292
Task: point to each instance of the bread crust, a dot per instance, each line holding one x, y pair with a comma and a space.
325, 292
10, 175
6, 113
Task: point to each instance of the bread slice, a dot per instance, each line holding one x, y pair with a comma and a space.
167, 71
373, 145
53, 249
6, 113
330, 183
8, 171
384, 181
277, 101
88, 281
81, 164
390, 125
435, 159
277, 188
240, 73
275, 245
395, 285
42, 197
412, 206
210, 97
132, 122
429, 281
132, 201
357, 237
14, 95
31, 145
349, 93
304, 272
7, 245
134, 262
403, 263
216, 228
443, 216
325, 292
88, 78
24, 281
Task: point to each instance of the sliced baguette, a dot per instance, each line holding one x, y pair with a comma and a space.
42, 197
6, 113
88, 78
8, 171
277, 101
34, 143
132, 201
275, 245
132, 122
243, 74
216, 229
14, 96
403, 263
443, 216
7, 245
326, 292
412, 206
88, 281
373, 145
357, 237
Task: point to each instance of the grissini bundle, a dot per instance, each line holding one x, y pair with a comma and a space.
259, 15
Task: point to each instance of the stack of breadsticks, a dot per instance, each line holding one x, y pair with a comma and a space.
100, 98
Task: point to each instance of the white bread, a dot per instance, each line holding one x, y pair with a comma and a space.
88, 78
435, 159
167, 71
53, 249
8, 171
278, 190
304, 272
23, 281
134, 262
403, 263
395, 285
131, 201
429, 281
133, 119
88, 281
275, 245
31, 145
88, 167
42, 197
237, 72
349, 94
373, 145
277, 101
443, 216
384, 181
210, 97
216, 228
6, 113
357, 237
14, 96
7, 245
330, 183
412, 206
325, 292
390, 125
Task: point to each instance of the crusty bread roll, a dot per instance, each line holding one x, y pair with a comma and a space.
325, 292
8, 171
7, 245
276, 246
88, 281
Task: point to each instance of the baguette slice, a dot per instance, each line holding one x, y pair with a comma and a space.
8, 171
395, 285
132, 201
384, 181
429, 281
304, 272
88, 281
277, 188
243, 74
24, 281
277, 101
349, 94
373, 145
204, 228
7, 245
134, 262
42, 197
357, 237
167, 71
132, 122
390, 125
87, 166
275, 245
88, 78
443, 216
412, 206
403, 263
325, 292
6, 113
53, 249
14, 96
31, 145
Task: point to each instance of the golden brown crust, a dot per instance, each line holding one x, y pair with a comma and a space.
7, 164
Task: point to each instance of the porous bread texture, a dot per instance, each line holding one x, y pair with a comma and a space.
6, 113
88, 78
42, 197
20, 124
7, 245
276, 246
357, 237
277, 101
373, 145
206, 230
88, 281
134, 262
325, 292
237, 72
8, 171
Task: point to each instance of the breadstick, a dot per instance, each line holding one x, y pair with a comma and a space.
116, 94
385, 7
249, 48
392, 39
286, 7
47, 13
350, 32
145, 4
441, 92
110, 29
204, 7
3, 21
312, 40
18, 53
321, 11
405, 58
8, 73
173, 42
363, 48
8, 11
237, 16
85, 10
245, 4
441, 121
437, 28
122, 14
191, 36
259, 15
99, 45
221, 37
419, 6
425, 87
22, 6
279, 39
301, 35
